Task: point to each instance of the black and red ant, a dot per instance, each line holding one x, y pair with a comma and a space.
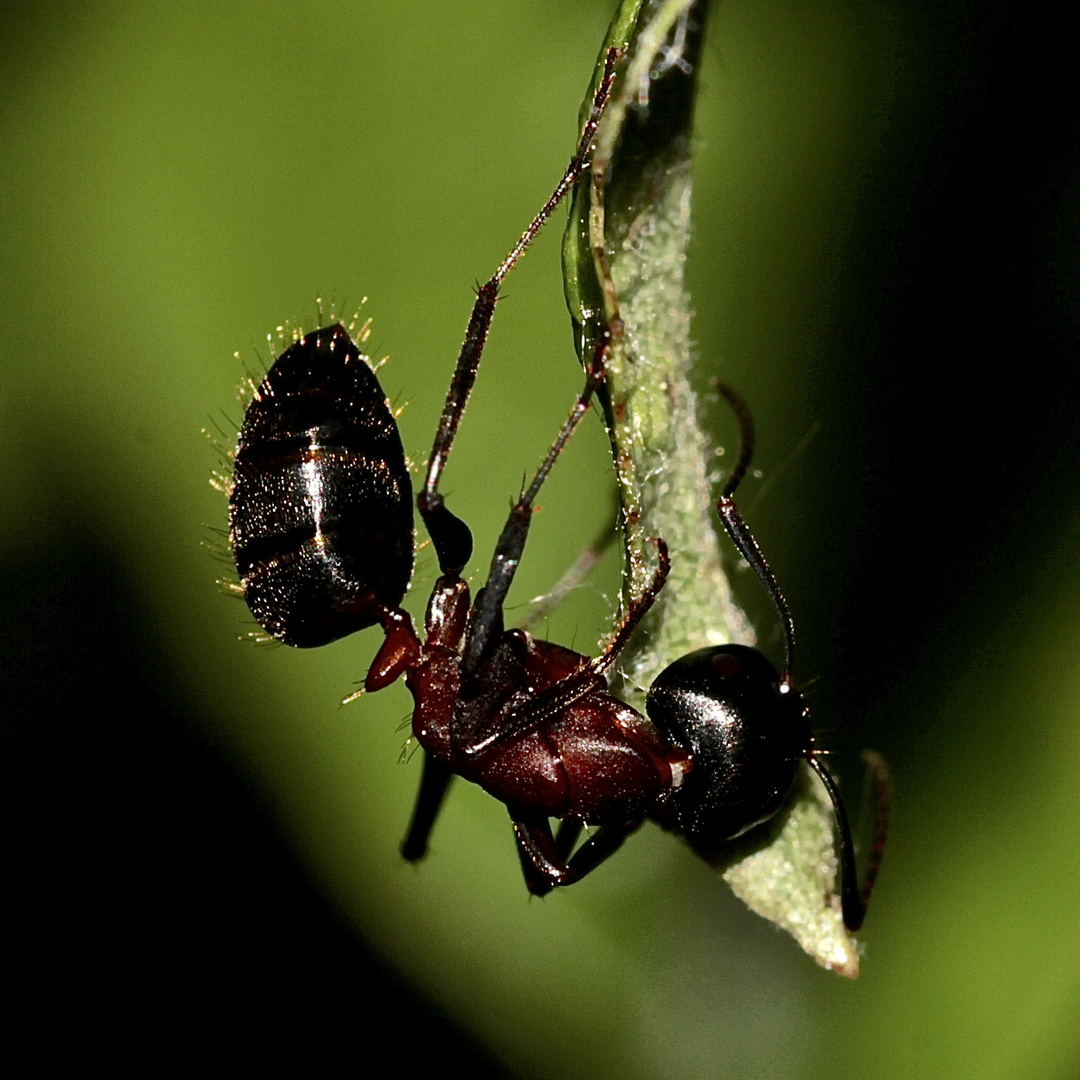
322, 531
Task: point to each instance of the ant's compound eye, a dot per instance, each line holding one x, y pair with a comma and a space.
726, 664
720, 672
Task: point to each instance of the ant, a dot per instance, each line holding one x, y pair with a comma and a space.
321, 528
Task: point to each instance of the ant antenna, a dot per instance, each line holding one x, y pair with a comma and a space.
740, 533
853, 897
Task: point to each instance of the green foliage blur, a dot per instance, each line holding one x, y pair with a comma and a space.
885, 259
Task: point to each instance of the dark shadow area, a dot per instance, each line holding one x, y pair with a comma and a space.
955, 402
152, 911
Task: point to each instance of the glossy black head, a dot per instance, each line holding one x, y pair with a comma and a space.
747, 737
321, 508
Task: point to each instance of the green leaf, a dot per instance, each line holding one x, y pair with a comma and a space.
624, 257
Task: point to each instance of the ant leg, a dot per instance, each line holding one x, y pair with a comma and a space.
485, 621
488, 620
853, 898
556, 699
449, 534
600, 846
567, 837
541, 865
429, 799
545, 867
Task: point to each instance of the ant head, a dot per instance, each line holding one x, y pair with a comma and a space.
747, 731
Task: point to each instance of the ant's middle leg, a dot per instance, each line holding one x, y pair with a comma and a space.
449, 534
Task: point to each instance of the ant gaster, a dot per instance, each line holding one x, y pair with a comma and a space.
322, 532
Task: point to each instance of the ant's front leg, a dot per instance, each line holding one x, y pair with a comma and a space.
544, 860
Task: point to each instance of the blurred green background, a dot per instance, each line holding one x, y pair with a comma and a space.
204, 846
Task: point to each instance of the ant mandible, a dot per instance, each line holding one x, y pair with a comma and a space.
322, 532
